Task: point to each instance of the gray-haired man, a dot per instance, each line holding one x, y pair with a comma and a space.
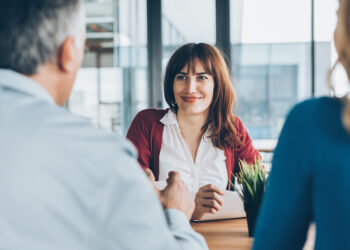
64, 184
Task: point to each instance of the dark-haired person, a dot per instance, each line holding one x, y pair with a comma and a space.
310, 174
57, 190
198, 136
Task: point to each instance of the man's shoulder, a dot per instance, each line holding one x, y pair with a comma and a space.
62, 128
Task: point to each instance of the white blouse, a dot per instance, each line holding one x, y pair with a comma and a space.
208, 168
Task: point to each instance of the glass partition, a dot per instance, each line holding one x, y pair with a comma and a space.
111, 87
271, 61
186, 21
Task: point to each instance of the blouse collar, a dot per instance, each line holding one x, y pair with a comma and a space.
169, 118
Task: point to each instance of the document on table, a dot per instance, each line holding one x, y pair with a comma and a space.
232, 206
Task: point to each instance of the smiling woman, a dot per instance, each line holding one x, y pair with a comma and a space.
198, 136
193, 91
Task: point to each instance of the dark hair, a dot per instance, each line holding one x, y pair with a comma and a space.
221, 119
32, 31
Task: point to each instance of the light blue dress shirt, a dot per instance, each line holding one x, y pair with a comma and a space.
66, 185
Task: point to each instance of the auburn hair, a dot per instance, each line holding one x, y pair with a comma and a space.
221, 119
342, 42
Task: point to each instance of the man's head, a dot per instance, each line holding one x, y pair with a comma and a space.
42, 38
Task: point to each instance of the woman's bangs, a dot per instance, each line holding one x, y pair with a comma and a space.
196, 54
204, 60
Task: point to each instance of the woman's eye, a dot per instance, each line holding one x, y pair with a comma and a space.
202, 78
181, 77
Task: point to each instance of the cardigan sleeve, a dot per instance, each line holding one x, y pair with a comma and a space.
246, 150
139, 134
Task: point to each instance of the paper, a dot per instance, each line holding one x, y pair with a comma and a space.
232, 208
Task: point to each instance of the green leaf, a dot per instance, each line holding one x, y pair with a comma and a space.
252, 180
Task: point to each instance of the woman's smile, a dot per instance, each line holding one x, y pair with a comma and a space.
191, 99
193, 91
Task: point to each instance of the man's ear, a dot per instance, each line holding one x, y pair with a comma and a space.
68, 56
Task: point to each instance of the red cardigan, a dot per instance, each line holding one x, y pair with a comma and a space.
146, 133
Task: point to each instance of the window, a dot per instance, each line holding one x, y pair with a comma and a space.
111, 87
270, 61
325, 23
186, 21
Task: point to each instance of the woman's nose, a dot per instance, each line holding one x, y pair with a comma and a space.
191, 84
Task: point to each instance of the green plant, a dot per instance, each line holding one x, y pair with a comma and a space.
252, 179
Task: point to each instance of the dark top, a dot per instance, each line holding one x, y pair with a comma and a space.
309, 181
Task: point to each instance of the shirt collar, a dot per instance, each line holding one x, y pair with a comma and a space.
16, 81
169, 118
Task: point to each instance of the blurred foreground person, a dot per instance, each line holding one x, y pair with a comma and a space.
63, 183
310, 176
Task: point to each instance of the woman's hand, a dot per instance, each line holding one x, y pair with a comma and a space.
209, 199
